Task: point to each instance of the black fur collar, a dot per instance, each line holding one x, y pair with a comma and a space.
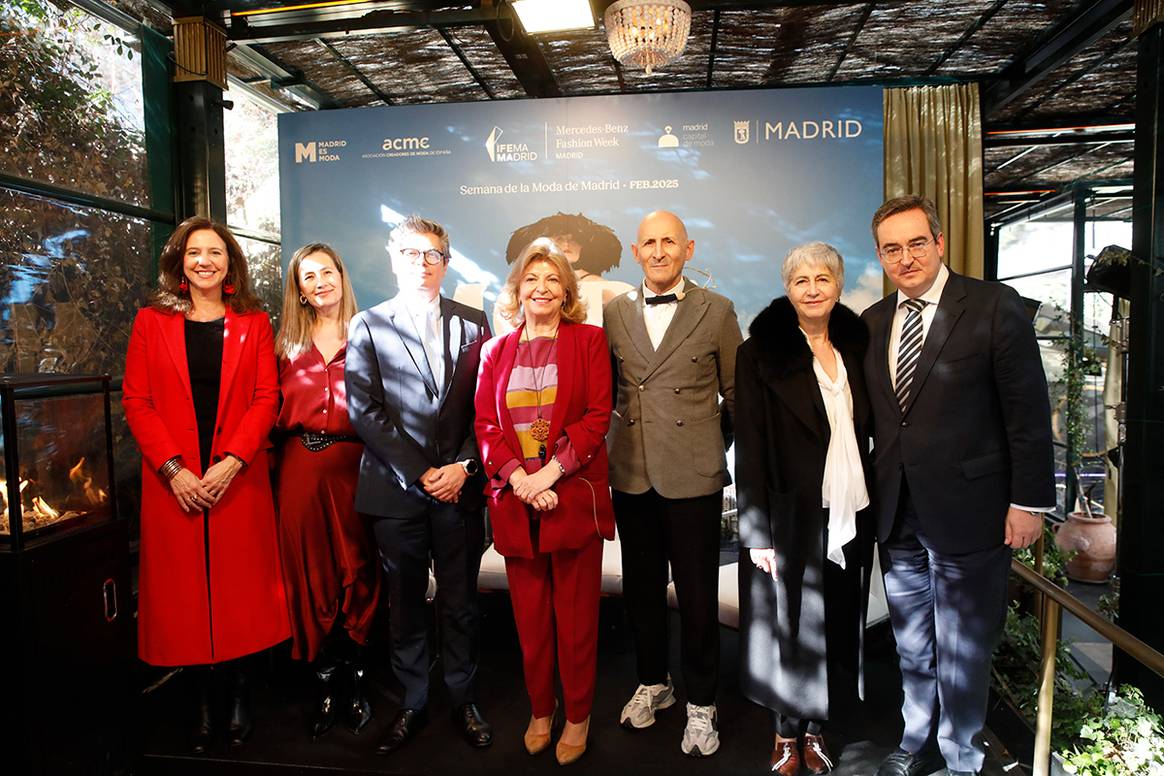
781, 344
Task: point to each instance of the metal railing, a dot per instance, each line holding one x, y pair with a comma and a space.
1051, 599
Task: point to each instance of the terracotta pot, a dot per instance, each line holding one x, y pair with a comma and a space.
1094, 540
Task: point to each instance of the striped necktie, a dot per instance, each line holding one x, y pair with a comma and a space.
909, 349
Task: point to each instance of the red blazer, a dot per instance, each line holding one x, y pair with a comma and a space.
581, 411
187, 614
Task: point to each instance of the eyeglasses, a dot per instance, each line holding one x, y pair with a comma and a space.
917, 249
431, 256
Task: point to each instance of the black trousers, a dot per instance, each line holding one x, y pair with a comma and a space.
685, 532
453, 538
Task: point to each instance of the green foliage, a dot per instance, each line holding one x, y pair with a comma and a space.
1125, 738
1054, 559
1016, 672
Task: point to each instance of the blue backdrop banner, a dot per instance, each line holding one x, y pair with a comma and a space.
752, 174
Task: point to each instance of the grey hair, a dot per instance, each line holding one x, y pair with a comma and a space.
414, 224
813, 253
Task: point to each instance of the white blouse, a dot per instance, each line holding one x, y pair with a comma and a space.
843, 490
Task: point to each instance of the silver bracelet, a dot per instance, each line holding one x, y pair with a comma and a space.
171, 467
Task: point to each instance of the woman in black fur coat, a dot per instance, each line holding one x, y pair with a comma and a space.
806, 540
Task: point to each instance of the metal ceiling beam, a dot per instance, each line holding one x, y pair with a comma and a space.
986, 16
1083, 71
351, 67
1050, 140
1093, 21
711, 53
522, 52
284, 78
245, 29
852, 40
465, 61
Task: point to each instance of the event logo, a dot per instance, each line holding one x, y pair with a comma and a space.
318, 151
507, 152
743, 132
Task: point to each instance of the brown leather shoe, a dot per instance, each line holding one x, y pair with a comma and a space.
816, 757
785, 759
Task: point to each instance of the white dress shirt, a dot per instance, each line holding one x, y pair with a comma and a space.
658, 317
426, 321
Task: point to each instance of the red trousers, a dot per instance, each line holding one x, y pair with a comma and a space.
559, 589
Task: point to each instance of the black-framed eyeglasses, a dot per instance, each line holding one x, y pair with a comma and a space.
917, 249
432, 256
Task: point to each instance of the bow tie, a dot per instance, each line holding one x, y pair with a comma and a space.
661, 299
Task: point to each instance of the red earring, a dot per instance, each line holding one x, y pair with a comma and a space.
228, 289
183, 285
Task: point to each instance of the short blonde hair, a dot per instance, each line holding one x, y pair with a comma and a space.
813, 253
297, 322
541, 249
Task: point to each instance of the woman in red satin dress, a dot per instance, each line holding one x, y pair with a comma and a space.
329, 567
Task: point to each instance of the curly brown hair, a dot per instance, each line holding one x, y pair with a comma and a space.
170, 298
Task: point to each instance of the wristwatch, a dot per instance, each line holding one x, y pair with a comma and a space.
470, 465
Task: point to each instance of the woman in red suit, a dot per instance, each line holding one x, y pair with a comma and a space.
200, 395
329, 568
543, 408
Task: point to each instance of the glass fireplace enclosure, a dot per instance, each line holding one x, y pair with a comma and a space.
65, 594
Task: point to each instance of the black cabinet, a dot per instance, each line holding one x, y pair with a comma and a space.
66, 648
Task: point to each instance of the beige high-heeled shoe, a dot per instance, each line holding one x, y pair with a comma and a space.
569, 753
536, 743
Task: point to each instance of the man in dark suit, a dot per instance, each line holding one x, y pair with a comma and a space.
674, 347
411, 374
963, 469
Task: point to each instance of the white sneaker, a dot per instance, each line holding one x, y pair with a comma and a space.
701, 736
639, 712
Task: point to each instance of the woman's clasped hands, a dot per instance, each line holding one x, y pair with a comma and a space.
195, 494
535, 489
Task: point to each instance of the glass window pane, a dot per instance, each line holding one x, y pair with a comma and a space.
1030, 246
1053, 289
71, 282
71, 102
252, 163
266, 274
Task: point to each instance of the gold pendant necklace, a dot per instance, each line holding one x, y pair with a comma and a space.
539, 429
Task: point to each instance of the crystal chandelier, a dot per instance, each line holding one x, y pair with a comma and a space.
647, 33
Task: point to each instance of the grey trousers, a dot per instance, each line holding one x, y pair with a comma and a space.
947, 612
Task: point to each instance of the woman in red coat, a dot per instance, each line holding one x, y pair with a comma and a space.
543, 408
200, 395
329, 565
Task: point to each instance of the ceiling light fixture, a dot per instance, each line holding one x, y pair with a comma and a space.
647, 33
553, 15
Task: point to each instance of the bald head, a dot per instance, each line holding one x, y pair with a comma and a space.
662, 249
665, 219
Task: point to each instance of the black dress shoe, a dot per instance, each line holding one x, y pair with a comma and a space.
241, 721
473, 726
403, 729
902, 763
359, 707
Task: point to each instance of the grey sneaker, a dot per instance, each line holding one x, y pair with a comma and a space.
701, 736
639, 712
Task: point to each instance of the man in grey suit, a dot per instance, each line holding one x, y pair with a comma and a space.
963, 466
411, 373
674, 350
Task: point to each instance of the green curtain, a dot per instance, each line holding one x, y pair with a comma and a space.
933, 147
